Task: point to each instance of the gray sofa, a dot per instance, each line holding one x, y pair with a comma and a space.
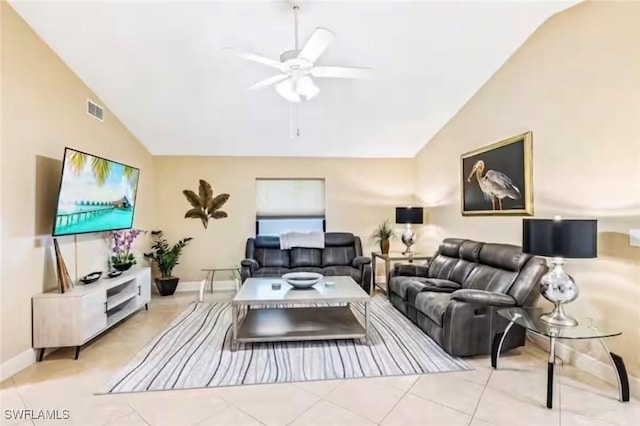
342, 255
454, 299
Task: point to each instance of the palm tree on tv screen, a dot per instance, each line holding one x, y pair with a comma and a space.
100, 167
131, 175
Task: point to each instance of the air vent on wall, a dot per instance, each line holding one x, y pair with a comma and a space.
95, 110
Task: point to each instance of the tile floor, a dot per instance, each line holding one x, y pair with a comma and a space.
512, 395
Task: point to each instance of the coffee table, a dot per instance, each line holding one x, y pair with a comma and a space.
289, 314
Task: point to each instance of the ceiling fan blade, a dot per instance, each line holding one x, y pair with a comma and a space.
316, 44
256, 58
341, 72
268, 81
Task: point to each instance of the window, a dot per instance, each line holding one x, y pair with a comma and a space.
289, 205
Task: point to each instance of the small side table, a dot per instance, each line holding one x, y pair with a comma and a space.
529, 318
388, 258
211, 274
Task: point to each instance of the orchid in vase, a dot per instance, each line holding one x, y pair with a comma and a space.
121, 256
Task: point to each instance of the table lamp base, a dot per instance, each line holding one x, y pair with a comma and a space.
558, 288
559, 317
408, 239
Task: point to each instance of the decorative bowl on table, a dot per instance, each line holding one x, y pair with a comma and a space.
122, 266
91, 278
302, 279
114, 273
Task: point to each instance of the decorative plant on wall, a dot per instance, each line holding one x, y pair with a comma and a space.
204, 205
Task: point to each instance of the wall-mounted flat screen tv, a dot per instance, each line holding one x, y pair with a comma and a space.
96, 195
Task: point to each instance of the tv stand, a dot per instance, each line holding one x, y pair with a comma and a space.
75, 317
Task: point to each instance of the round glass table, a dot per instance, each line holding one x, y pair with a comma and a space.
529, 318
210, 279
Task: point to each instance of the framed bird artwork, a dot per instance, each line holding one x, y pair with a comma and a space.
497, 179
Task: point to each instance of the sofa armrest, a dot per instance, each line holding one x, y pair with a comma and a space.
250, 263
442, 286
247, 268
483, 297
366, 278
360, 261
409, 270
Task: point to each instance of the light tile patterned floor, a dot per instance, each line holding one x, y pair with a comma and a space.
513, 395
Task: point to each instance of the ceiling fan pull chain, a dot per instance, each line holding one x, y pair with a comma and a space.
291, 120
294, 120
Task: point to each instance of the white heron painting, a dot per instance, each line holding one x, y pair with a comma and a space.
497, 178
494, 185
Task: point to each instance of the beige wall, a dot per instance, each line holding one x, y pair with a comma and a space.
43, 109
576, 85
359, 194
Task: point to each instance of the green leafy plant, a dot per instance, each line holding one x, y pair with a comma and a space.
384, 232
204, 204
164, 256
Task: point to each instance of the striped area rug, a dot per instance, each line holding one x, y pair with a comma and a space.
194, 352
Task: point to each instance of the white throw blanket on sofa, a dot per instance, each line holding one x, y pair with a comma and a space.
302, 239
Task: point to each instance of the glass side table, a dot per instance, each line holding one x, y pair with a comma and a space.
529, 318
211, 273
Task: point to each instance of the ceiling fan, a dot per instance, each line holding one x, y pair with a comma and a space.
297, 66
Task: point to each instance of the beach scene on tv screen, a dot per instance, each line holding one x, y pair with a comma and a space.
95, 195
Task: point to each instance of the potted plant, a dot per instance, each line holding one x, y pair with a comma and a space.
121, 256
382, 234
166, 258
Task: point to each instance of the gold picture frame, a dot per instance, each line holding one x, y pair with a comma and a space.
497, 179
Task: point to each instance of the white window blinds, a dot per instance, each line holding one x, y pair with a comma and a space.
289, 197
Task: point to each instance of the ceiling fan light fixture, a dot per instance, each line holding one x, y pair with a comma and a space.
306, 87
286, 89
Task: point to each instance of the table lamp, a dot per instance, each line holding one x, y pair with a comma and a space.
409, 216
560, 239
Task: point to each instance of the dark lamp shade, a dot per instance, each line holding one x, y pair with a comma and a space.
573, 238
413, 215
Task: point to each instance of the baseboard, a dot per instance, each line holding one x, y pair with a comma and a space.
222, 285
17, 364
587, 363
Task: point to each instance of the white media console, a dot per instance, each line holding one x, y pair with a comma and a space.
87, 310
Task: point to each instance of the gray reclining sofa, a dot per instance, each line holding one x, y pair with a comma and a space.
454, 299
342, 255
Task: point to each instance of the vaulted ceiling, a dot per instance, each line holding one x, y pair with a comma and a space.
161, 68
